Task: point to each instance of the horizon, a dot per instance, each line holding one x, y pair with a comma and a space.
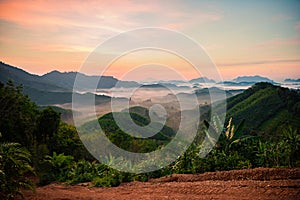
242, 38
153, 80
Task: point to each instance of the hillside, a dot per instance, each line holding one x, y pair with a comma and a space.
266, 108
51, 98
56, 87
19, 76
126, 141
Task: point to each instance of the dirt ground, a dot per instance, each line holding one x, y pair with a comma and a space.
260, 183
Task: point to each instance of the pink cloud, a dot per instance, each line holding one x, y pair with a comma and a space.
260, 62
279, 42
297, 26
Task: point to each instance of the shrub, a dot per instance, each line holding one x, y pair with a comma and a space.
14, 163
110, 178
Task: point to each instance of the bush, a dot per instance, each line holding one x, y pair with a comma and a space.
14, 163
56, 168
109, 179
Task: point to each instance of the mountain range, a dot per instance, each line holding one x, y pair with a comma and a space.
56, 87
292, 80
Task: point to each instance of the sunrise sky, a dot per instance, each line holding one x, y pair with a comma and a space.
242, 37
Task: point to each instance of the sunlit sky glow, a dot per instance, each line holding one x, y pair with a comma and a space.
242, 37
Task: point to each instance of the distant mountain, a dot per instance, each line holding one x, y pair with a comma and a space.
172, 81
211, 90
252, 79
202, 80
19, 76
56, 87
162, 86
231, 83
292, 80
59, 81
42, 97
67, 79
266, 108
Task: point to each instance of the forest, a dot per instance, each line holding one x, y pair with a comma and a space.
34, 141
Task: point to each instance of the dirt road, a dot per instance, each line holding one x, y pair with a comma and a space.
251, 184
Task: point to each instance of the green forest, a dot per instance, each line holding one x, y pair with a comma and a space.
262, 129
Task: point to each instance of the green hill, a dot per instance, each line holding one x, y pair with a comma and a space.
126, 141
266, 108
142, 111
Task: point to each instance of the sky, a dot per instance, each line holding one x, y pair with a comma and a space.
241, 37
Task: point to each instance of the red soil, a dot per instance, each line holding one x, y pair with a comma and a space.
260, 183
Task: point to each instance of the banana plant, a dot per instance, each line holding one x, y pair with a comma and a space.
230, 135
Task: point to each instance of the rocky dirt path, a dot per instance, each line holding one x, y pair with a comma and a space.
261, 183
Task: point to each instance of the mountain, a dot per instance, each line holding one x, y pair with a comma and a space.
266, 109
56, 87
292, 80
231, 83
202, 80
211, 90
42, 97
19, 76
67, 79
59, 81
252, 79
163, 86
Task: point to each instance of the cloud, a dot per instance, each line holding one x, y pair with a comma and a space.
114, 16
297, 26
279, 42
259, 62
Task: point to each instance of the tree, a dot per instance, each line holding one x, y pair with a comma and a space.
17, 114
47, 126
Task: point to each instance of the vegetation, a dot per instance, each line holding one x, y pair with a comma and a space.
272, 108
14, 164
58, 154
126, 141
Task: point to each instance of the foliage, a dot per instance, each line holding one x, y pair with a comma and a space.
56, 168
14, 163
124, 140
265, 107
59, 155
17, 114
109, 178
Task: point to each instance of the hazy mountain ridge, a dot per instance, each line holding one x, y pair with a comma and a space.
59, 81
19, 76
292, 80
252, 79
202, 80
56, 87
67, 79
266, 108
